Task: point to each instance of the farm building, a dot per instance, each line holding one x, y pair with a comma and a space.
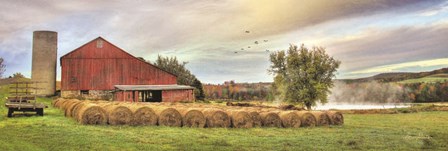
101, 70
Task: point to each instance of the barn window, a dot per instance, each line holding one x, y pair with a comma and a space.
99, 43
85, 92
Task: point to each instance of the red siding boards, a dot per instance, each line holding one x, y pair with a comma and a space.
90, 67
177, 95
126, 96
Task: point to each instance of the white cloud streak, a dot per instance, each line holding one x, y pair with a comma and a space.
401, 66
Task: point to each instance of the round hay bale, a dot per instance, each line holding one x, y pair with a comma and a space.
336, 118
58, 103
63, 103
307, 119
192, 117
168, 116
256, 119
70, 106
66, 103
216, 118
241, 119
290, 119
118, 115
268, 110
143, 115
271, 119
322, 118
76, 107
92, 114
100, 101
105, 104
53, 103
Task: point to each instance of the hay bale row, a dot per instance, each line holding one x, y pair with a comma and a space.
191, 115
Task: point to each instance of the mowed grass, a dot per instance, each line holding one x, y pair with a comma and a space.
428, 79
414, 131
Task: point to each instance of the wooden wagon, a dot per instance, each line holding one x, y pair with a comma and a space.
22, 98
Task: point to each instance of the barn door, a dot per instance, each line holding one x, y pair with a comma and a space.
152, 96
156, 96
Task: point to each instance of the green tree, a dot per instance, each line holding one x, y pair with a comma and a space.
18, 75
303, 75
2, 67
184, 76
199, 91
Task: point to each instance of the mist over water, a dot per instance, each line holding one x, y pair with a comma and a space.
366, 95
359, 106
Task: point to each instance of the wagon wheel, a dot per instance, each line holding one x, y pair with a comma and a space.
40, 112
10, 111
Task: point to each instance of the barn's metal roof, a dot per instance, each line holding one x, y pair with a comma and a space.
152, 87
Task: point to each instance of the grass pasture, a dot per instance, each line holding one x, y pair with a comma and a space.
414, 131
428, 79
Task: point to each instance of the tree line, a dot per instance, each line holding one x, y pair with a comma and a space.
427, 92
239, 91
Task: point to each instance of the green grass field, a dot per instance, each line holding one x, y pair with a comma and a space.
414, 131
428, 79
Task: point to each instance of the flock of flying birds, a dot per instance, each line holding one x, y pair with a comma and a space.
255, 42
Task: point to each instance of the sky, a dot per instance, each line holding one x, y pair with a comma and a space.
368, 36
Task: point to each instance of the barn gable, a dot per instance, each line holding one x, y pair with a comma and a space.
96, 49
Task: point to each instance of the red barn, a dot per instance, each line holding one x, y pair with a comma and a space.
101, 70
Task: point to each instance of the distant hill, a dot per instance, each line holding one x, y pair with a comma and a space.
443, 77
403, 76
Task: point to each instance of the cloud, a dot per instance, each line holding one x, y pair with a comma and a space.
403, 66
379, 47
435, 10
